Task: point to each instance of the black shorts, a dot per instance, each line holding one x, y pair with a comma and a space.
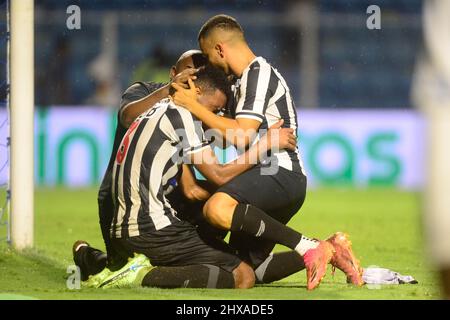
178, 244
280, 196
187, 210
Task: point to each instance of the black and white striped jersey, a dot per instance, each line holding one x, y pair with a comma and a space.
136, 91
262, 94
149, 157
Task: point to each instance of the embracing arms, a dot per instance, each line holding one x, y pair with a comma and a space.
129, 112
219, 174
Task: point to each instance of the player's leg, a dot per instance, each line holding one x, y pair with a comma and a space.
236, 214
268, 266
278, 266
281, 197
225, 212
237, 207
253, 221
195, 276
90, 260
199, 276
243, 205
244, 276
183, 259
86, 257
273, 267
192, 212
106, 213
105, 209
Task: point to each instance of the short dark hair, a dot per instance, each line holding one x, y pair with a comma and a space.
221, 21
210, 78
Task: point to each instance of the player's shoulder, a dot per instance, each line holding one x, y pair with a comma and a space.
175, 110
153, 86
258, 63
163, 103
147, 87
179, 117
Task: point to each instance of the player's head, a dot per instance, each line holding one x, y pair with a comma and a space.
212, 88
219, 38
189, 59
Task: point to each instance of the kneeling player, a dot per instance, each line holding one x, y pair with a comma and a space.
135, 100
148, 158
256, 205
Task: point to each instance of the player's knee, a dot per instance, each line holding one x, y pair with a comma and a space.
244, 276
208, 209
219, 209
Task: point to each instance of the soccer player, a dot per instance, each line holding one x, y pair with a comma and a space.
431, 93
255, 206
151, 153
138, 98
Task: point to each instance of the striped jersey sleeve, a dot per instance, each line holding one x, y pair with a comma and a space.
254, 92
137, 91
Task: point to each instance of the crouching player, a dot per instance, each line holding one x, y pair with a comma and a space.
135, 100
258, 204
144, 222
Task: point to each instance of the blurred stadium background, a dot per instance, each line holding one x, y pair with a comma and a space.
334, 65
358, 125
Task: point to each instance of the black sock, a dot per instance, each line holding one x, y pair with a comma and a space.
278, 266
195, 276
254, 221
90, 260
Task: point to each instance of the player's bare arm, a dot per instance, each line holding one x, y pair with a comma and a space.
242, 129
190, 188
219, 174
133, 109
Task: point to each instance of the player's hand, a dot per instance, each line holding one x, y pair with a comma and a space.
182, 78
185, 97
282, 138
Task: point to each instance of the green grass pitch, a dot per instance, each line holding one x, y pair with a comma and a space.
384, 226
